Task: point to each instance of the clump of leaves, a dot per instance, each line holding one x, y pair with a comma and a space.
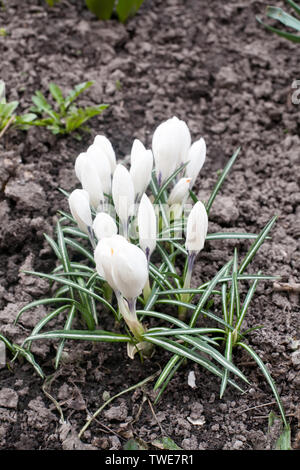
104, 9
64, 117
286, 19
8, 117
103, 269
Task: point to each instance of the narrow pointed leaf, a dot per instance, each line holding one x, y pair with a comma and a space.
267, 375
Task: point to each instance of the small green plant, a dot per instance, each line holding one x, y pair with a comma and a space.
104, 9
7, 113
131, 256
286, 19
65, 117
51, 3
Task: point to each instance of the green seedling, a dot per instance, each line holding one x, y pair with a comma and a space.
64, 117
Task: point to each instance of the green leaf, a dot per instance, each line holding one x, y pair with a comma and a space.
135, 444
207, 293
75, 120
57, 94
187, 353
166, 443
126, 8
7, 109
168, 181
284, 440
42, 302
84, 335
286, 19
77, 90
101, 8
294, 5
42, 105
67, 327
257, 244
76, 286
228, 355
283, 34
246, 304
30, 358
267, 376
221, 180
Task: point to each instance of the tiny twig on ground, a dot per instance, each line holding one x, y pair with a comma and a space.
287, 287
258, 406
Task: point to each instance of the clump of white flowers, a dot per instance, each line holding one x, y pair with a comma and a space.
139, 219
113, 202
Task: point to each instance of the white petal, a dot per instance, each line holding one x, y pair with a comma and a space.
104, 226
102, 164
105, 144
123, 192
79, 162
137, 149
196, 157
180, 191
147, 226
141, 171
91, 182
80, 209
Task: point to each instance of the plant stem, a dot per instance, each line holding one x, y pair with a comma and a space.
147, 290
187, 283
128, 311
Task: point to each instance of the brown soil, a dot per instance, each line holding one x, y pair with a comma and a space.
231, 82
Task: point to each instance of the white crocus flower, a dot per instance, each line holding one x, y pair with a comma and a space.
124, 266
180, 192
196, 231
147, 226
123, 196
105, 145
170, 144
104, 226
196, 158
79, 203
141, 168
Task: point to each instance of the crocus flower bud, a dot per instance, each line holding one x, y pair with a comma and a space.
104, 144
123, 195
80, 209
147, 226
196, 157
104, 226
180, 191
141, 168
196, 231
170, 144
